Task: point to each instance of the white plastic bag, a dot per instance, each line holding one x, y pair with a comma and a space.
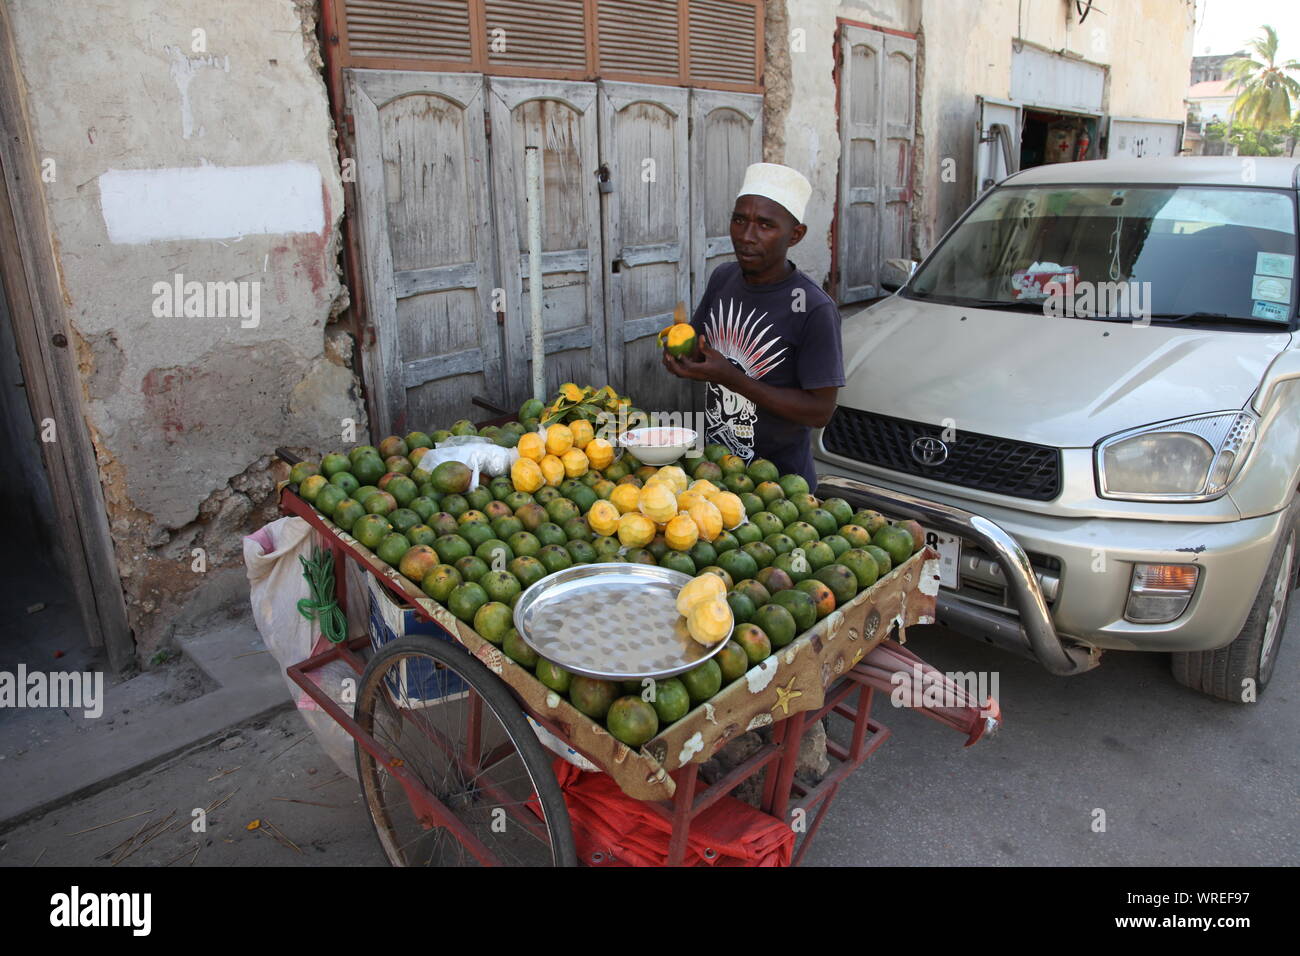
276, 584
482, 456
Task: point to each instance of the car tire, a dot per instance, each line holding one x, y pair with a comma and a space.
1224, 673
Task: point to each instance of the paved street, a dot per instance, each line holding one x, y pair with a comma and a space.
1183, 780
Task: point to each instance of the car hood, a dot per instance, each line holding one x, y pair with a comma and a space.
1053, 381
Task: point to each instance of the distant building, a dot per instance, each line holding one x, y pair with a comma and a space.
1211, 67
1211, 100
1208, 98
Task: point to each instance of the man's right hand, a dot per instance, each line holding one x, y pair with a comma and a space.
709, 365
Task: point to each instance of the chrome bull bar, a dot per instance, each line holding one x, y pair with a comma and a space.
1036, 635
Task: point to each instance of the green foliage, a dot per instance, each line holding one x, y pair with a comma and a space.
1251, 142
1267, 96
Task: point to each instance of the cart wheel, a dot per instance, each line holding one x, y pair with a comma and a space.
456, 784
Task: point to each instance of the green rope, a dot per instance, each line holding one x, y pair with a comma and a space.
321, 606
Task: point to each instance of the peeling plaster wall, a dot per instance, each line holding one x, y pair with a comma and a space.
965, 50
185, 411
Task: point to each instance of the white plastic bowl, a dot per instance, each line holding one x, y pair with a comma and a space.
658, 445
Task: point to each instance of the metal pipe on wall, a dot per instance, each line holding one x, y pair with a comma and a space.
533, 195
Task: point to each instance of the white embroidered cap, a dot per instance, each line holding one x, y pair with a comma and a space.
781, 184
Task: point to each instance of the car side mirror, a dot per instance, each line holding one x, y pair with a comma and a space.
894, 273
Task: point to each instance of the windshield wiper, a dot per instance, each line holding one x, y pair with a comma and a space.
1218, 318
1014, 305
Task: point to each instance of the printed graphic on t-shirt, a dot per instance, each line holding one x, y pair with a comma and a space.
745, 340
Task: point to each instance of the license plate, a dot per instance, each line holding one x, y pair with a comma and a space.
949, 548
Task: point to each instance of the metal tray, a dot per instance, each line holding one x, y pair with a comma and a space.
615, 621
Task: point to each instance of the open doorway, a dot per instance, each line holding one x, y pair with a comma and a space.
1053, 137
56, 523
40, 623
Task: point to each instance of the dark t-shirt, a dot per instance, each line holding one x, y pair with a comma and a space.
788, 335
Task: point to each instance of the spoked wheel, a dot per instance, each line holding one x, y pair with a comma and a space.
461, 779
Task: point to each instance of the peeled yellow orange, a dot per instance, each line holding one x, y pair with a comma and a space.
582, 432
552, 470
674, 475
730, 507
709, 621
575, 463
706, 587
681, 533
599, 452
635, 530
657, 502
531, 446
559, 439
625, 497
603, 518
688, 498
707, 518
526, 475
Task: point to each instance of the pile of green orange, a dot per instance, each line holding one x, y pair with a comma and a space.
790, 561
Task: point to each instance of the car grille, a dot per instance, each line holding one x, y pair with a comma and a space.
984, 462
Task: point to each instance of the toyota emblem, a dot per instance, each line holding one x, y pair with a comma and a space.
929, 451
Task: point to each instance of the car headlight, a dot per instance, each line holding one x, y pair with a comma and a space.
1191, 459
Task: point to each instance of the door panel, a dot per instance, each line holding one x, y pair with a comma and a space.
900, 133
726, 136
1142, 138
997, 141
428, 256
559, 118
643, 135
877, 137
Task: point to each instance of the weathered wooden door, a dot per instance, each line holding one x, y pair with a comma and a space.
560, 119
428, 251
726, 136
643, 137
877, 130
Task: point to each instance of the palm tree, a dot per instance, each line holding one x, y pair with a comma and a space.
1266, 92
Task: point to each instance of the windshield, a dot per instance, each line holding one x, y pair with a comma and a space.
1159, 252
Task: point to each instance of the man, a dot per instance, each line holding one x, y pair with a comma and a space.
769, 336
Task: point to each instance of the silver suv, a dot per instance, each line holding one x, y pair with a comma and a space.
1089, 394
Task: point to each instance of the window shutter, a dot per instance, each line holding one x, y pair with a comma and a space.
639, 37
434, 30
725, 42
715, 44
539, 34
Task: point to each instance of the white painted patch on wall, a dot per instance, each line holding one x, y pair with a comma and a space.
211, 202
183, 67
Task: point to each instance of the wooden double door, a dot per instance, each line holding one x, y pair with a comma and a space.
637, 189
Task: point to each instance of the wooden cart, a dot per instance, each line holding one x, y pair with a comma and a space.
452, 772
